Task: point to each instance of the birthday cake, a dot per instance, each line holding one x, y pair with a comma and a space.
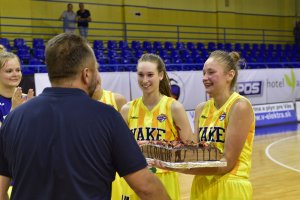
179, 155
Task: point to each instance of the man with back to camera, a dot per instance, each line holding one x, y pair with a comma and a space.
83, 19
63, 144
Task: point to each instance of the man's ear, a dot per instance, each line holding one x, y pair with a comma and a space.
85, 75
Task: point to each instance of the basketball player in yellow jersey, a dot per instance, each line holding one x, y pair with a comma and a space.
156, 116
108, 97
226, 121
117, 101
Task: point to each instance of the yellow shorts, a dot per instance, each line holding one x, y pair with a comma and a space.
221, 188
169, 180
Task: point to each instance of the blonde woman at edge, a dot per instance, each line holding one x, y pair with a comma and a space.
156, 116
10, 77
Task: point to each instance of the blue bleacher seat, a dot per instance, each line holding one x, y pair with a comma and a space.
263, 47
190, 45
138, 53
211, 46
255, 46
163, 53
169, 45
24, 55
19, 43
175, 54
112, 44
38, 43
35, 61
246, 47
123, 44
135, 45
180, 45
39, 54
220, 46
238, 47
200, 46
228, 47
5, 42
147, 46
157, 45
98, 44
112, 53
270, 47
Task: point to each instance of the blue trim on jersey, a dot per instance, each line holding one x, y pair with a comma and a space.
5, 106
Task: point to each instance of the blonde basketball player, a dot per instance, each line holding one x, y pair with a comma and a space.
227, 121
117, 101
156, 116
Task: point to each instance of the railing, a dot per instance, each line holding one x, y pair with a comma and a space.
31, 69
28, 28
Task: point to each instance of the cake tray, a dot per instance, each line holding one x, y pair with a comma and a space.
190, 165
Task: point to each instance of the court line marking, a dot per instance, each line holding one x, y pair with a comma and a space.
275, 161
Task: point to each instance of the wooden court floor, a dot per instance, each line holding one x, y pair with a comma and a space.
275, 170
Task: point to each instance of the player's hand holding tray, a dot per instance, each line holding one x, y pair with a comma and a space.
176, 154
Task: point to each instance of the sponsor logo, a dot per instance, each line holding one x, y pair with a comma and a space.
177, 86
134, 117
251, 88
291, 80
2, 104
161, 117
203, 116
222, 117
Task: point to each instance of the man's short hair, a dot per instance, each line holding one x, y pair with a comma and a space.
66, 55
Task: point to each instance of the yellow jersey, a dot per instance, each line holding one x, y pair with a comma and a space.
212, 127
109, 99
156, 124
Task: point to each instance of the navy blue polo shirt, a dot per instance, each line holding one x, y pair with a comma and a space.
64, 145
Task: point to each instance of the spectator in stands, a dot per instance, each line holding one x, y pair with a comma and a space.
297, 34
83, 19
157, 111
231, 121
11, 95
69, 19
117, 101
63, 144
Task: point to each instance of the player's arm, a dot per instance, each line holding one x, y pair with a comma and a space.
4, 185
89, 18
120, 100
181, 122
146, 185
124, 112
198, 111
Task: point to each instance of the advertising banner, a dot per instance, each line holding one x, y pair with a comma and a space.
282, 85
251, 84
269, 114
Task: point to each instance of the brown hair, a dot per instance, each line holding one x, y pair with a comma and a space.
231, 60
164, 84
65, 56
6, 56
